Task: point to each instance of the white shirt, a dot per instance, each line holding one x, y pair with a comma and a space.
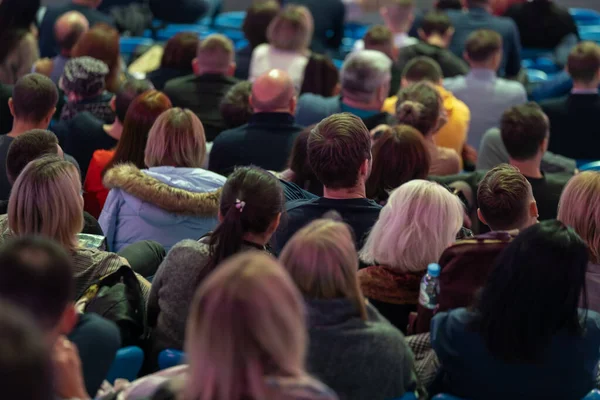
400, 40
265, 58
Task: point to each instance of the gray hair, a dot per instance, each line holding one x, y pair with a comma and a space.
364, 72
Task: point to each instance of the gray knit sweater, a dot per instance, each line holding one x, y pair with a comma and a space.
358, 359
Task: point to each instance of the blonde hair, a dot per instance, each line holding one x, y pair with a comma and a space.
246, 322
579, 208
291, 29
46, 200
322, 261
419, 221
177, 139
215, 53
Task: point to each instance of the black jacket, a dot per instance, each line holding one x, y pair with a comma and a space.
6, 118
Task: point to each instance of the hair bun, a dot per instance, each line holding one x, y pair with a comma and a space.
408, 112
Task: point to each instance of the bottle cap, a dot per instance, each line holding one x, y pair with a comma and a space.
433, 269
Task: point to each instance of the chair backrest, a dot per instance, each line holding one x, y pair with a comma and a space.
126, 365
536, 76
443, 396
591, 166
170, 358
593, 395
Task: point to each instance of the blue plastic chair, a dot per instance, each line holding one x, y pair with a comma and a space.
585, 16
338, 63
355, 30
593, 395
126, 365
536, 76
230, 20
171, 30
534, 54
590, 166
170, 358
592, 35
445, 397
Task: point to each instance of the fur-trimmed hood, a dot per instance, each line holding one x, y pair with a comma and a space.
183, 191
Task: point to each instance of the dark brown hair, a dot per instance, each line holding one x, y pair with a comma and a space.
337, 147
584, 62
378, 35
298, 163
26, 148
423, 69
483, 44
436, 22
129, 90
34, 97
180, 51
235, 106
258, 18
419, 106
399, 156
320, 76
523, 129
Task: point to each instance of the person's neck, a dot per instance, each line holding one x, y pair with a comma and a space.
529, 168
437, 40
210, 72
20, 127
585, 85
372, 106
114, 130
356, 192
65, 53
259, 239
399, 30
483, 66
276, 110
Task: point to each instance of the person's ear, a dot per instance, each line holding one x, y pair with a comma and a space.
480, 216
220, 216
195, 66
449, 33
293, 102
466, 57
231, 68
404, 82
533, 210
365, 168
68, 320
49, 117
113, 103
544, 145
274, 224
250, 102
422, 34
11, 107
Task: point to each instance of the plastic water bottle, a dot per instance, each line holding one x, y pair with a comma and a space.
430, 287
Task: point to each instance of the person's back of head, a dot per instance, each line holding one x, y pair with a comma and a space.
365, 78
235, 107
180, 51
583, 65
399, 15
339, 151
273, 91
321, 259
483, 49
303, 174
422, 69
579, 208
421, 106
33, 100
291, 29
129, 90
479, 4
36, 274
505, 200
102, 43
215, 55
442, 5
246, 322
257, 20
380, 38
25, 360
28, 147
524, 304
251, 204
83, 78
399, 156
68, 28
436, 28
419, 221
525, 130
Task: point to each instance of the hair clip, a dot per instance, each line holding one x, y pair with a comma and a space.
240, 204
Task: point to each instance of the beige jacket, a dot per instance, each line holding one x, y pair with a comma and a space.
20, 60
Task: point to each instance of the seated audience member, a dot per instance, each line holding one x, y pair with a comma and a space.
235, 107
6, 119
339, 153
542, 24
267, 140
401, 246
203, 91
36, 274
245, 338
102, 43
365, 82
32, 105
258, 18
299, 171
46, 200
328, 22
574, 117
48, 44
85, 90
549, 348
453, 134
398, 16
67, 30
177, 58
345, 332
579, 209
169, 201
435, 32
380, 38
140, 115
85, 133
18, 39
180, 11
477, 17
399, 155
486, 95
250, 207
32, 145
421, 106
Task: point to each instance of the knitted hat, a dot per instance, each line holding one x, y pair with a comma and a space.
84, 76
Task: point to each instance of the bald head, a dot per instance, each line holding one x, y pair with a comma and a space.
273, 92
68, 28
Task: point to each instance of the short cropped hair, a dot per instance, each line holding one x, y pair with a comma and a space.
235, 107
180, 51
176, 138
291, 29
482, 44
363, 73
436, 22
26, 148
378, 35
423, 69
258, 18
34, 97
215, 53
584, 62
337, 147
523, 129
503, 197
128, 92
36, 274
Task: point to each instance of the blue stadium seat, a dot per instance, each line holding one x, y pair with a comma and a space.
170, 358
591, 33
338, 63
590, 166
230, 20
585, 16
533, 54
536, 76
355, 30
445, 397
169, 31
408, 396
126, 365
593, 395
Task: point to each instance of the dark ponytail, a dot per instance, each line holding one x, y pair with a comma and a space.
251, 199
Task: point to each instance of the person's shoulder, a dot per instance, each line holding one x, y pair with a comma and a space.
315, 99
455, 83
300, 388
558, 179
180, 82
185, 252
230, 136
554, 103
510, 86
453, 321
299, 204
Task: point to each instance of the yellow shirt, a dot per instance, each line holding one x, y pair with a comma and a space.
453, 135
